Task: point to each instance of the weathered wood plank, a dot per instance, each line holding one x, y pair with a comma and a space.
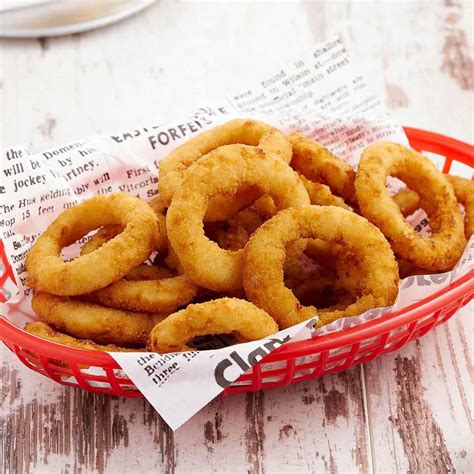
419, 402
317, 426
426, 50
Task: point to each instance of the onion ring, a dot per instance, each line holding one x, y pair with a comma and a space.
44, 331
47, 270
408, 201
317, 163
106, 233
172, 261
223, 171
164, 295
231, 237
444, 247
222, 316
464, 192
103, 235
234, 233
265, 207
158, 205
145, 288
264, 257
141, 272
247, 132
315, 259
89, 321
320, 194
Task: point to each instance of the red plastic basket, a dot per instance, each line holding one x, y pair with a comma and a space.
294, 362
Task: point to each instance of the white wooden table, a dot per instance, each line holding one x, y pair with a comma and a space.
406, 411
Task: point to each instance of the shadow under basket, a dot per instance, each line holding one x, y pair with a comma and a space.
296, 361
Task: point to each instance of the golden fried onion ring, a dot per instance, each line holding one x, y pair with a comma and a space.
317, 163
444, 247
223, 171
48, 272
142, 272
264, 257
145, 288
234, 233
44, 331
408, 201
158, 205
320, 194
464, 191
163, 295
89, 321
222, 316
248, 132
106, 233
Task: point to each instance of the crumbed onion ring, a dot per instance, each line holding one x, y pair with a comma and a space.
141, 272
320, 194
158, 205
264, 257
163, 295
313, 280
234, 233
444, 247
50, 273
317, 163
44, 331
248, 132
222, 316
408, 201
106, 233
464, 192
223, 171
231, 237
89, 321
145, 288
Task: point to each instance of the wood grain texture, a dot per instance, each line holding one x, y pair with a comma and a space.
407, 411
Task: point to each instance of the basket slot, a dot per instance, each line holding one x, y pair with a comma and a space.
397, 340
27, 358
100, 384
256, 377
322, 362
349, 362
42, 364
449, 310
290, 370
43, 367
117, 384
51, 370
429, 323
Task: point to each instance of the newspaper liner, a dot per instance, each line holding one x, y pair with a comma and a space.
320, 95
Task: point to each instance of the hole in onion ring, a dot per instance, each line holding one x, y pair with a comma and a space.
313, 278
216, 341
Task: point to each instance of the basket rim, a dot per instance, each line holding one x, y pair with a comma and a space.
425, 140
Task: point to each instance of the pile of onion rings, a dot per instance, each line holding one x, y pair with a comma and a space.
252, 231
